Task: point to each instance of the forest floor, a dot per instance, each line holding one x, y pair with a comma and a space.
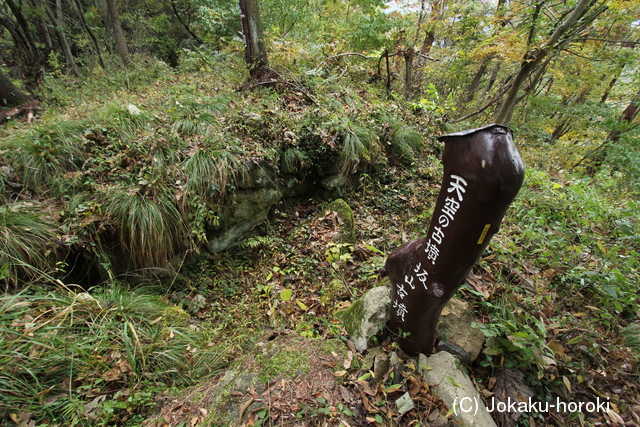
573, 359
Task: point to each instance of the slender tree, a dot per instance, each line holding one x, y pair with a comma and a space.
91, 34
255, 52
121, 43
55, 16
535, 57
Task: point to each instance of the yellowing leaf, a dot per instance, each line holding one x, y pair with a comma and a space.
285, 295
453, 381
556, 347
302, 305
567, 384
366, 376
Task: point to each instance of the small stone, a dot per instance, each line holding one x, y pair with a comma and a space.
334, 181
405, 404
133, 110
380, 366
450, 384
456, 326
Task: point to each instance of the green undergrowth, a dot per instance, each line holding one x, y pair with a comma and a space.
124, 185
563, 307
139, 176
76, 358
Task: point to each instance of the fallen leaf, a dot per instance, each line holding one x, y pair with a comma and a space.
556, 347
285, 295
347, 362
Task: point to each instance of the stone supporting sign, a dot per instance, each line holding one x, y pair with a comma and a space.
483, 172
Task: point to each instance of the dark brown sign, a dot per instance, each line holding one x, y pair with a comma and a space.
483, 172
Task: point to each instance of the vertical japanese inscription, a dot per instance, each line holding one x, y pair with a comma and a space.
457, 188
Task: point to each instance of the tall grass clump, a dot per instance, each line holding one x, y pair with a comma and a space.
399, 139
3, 182
150, 226
292, 160
42, 156
405, 142
209, 170
27, 245
74, 358
191, 117
357, 147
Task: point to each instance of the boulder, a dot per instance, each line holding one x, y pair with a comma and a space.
243, 212
367, 317
450, 384
457, 332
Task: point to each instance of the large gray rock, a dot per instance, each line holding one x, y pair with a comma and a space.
367, 317
456, 326
454, 387
243, 212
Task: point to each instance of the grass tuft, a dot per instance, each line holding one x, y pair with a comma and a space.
292, 161
27, 245
151, 228
61, 351
209, 171
42, 156
357, 148
405, 142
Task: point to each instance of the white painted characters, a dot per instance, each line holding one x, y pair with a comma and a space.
457, 188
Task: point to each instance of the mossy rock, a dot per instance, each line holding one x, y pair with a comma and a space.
367, 317
346, 221
288, 369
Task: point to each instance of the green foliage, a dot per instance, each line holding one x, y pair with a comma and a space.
150, 226
44, 155
65, 352
403, 141
292, 161
209, 171
27, 245
357, 147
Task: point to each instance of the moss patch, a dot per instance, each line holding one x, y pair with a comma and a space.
287, 370
352, 317
345, 217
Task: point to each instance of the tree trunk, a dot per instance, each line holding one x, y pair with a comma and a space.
255, 52
612, 83
493, 75
121, 43
93, 37
565, 124
27, 53
10, 95
409, 54
533, 58
599, 155
56, 21
627, 117
471, 89
186, 25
